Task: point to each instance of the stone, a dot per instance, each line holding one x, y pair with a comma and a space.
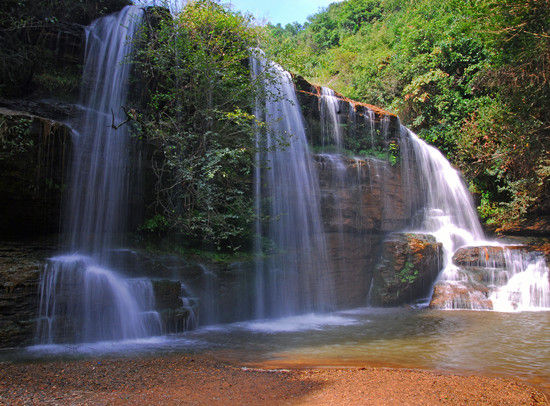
460, 295
493, 256
408, 267
20, 267
34, 153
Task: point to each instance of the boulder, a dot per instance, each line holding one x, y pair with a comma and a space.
409, 265
177, 313
493, 256
459, 295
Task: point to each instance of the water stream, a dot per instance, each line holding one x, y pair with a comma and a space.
447, 212
292, 271
81, 298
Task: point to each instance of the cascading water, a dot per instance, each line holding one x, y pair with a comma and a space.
330, 119
99, 175
447, 209
292, 275
520, 282
527, 286
81, 299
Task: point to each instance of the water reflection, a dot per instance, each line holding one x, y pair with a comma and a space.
459, 341
509, 344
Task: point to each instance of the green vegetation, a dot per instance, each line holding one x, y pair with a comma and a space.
408, 274
29, 58
14, 136
470, 77
197, 87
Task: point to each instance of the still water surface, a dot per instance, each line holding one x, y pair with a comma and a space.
505, 344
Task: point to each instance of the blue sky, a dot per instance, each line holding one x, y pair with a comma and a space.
279, 11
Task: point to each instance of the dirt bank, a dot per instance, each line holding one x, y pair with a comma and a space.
200, 380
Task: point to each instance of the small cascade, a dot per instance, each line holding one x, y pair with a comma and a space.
332, 132
527, 287
352, 119
80, 301
189, 304
503, 279
292, 269
209, 303
369, 122
447, 209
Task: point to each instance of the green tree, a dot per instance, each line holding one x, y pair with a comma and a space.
198, 87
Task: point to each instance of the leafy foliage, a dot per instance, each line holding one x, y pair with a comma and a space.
469, 77
29, 33
14, 136
196, 84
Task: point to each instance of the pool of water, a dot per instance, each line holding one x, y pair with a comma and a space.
503, 344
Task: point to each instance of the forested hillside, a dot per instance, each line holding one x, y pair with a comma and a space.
471, 77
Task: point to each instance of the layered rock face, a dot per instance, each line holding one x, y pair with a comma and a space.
34, 155
20, 268
363, 201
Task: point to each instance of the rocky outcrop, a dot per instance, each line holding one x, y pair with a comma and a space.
186, 288
178, 312
408, 267
362, 200
20, 266
481, 271
362, 195
34, 153
467, 295
356, 120
538, 226
493, 256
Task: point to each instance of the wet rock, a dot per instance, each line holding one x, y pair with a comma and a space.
167, 294
34, 154
459, 295
482, 271
309, 97
493, 256
20, 267
362, 199
409, 265
362, 196
178, 312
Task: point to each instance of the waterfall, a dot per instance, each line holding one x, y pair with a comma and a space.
81, 299
292, 268
447, 210
99, 174
518, 282
330, 119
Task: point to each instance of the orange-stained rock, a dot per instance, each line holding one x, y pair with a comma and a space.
409, 265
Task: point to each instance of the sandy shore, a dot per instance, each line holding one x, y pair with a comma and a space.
201, 380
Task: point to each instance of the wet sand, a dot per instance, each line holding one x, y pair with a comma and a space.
205, 380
